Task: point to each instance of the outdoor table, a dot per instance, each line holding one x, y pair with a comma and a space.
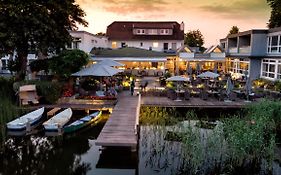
213, 93
194, 93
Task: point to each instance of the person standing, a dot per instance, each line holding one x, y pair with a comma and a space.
132, 86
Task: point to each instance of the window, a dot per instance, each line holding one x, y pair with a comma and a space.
141, 44
140, 31
174, 46
238, 65
114, 44
155, 44
123, 44
274, 44
165, 31
152, 31
269, 69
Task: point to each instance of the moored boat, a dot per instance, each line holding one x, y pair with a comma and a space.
56, 123
83, 122
27, 121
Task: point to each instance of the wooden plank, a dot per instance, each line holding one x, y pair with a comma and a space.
119, 130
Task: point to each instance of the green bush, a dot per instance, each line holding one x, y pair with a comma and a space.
50, 91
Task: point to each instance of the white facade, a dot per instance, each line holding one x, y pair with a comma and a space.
5, 60
86, 41
156, 45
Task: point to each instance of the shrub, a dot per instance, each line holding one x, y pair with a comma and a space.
49, 91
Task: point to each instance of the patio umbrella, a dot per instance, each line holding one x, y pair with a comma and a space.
178, 79
208, 74
248, 88
216, 68
110, 62
98, 70
229, 86
198, 69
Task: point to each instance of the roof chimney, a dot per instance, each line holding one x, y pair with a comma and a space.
182, 26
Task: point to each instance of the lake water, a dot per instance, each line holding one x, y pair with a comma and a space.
77, 154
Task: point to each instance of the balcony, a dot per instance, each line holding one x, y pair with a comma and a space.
233, 50
245, 49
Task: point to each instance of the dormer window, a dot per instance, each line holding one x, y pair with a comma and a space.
140, 31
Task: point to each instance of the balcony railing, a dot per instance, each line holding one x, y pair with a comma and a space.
245, 49
233, 50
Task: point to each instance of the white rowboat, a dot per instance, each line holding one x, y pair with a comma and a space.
27, 121
56, 123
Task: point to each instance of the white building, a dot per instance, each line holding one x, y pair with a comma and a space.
256, 51
156, 36
87, 41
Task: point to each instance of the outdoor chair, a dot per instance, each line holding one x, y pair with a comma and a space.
186, 95
173, 95
221, 96
233, 96
204, 95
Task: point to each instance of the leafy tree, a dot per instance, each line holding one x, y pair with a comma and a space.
275, 18
68, 62
37, 25
194, 39
100, 34
233, 30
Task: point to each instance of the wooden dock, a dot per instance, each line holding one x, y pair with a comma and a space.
191, 103
122, 126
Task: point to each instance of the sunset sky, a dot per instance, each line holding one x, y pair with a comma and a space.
213, 18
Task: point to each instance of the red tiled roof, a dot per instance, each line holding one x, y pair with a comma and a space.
123, 30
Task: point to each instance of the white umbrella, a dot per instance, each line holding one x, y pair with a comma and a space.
110, 62
98, 70
177, 78
229, 86
248, 88
208, 74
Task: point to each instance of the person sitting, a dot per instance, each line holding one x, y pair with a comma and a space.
112, 91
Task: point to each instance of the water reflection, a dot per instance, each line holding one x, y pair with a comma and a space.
158, 155
68, 154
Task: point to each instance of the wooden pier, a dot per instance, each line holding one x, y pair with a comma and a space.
192, 103
121, 129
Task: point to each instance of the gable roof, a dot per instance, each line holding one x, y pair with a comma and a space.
214, 48
123, 30
128, 52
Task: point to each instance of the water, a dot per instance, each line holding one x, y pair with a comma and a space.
77, 154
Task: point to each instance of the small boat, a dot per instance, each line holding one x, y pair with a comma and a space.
56, 123
83, 122
27, 121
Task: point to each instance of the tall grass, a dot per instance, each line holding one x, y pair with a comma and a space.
243, 143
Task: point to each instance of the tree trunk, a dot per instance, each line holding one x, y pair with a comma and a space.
22, 58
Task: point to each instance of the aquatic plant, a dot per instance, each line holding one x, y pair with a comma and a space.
240, 143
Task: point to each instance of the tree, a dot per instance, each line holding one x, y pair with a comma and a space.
38, 25
194, 39
68, 62
275, 17
233, 30
101, 34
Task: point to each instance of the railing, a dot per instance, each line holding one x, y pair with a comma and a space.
233, 50
245, 49
138, 115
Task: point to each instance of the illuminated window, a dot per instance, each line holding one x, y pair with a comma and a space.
114, 44
155, 44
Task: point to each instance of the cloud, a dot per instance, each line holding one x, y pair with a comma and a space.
125, 7
238, 9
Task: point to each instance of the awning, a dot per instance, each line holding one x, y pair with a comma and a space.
203, 59
132, 59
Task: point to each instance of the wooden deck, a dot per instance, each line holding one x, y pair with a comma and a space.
121, 128
191, 103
